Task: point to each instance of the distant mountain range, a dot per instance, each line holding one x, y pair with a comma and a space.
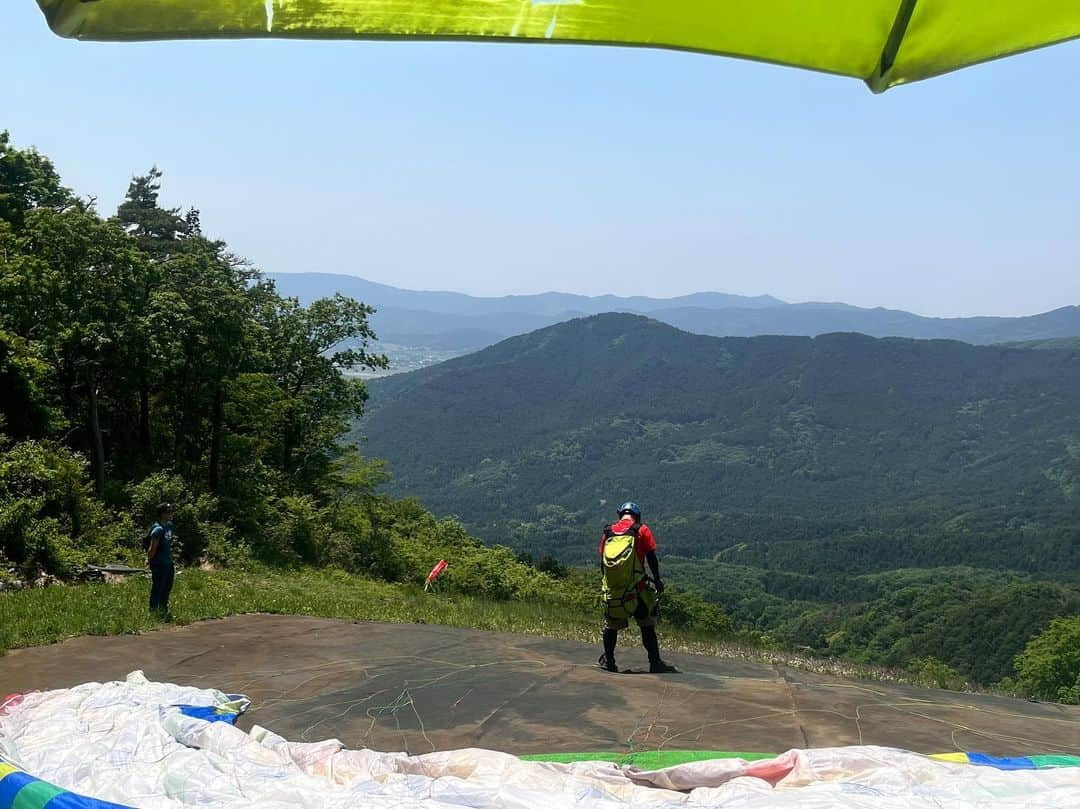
836, 454
456, 322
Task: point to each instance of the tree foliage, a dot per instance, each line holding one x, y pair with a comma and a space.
141, 361
1049, 666
973, 621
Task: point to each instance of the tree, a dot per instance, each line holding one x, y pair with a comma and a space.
69, 280
1049, 666
160, 233
205, 328
246, 389
307, 351
198, 309
49, 520
24, 408
28, 180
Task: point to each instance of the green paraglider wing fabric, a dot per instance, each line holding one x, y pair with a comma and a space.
883, 42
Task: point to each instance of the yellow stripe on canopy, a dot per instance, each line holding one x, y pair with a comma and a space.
882, 42
955, 758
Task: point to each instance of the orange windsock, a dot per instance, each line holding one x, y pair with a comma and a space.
436, 571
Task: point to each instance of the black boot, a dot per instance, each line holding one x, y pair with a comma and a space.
652, 646
607, 659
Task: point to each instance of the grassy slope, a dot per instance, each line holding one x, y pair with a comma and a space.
37, 617
43, 616
839, 455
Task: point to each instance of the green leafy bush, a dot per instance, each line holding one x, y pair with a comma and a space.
929, 672
199, 534
49, 519
1049, 666
688, 610
293, 533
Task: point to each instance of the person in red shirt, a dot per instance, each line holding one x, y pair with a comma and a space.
647, 610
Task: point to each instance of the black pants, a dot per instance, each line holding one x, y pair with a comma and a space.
161, 582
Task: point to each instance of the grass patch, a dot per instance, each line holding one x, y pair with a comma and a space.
47, 615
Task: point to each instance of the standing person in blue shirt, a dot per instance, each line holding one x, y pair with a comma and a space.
159, 560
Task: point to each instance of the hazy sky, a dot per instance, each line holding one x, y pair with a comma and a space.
493, 169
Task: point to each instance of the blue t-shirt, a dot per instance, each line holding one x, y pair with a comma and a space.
163, 534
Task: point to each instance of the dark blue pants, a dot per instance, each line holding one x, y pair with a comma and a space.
161, 582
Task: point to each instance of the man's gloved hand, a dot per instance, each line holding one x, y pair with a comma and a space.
659, 586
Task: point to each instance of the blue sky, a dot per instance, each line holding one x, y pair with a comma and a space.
496, 168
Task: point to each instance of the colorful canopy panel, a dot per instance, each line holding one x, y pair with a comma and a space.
882, 42
21, 791
659, 759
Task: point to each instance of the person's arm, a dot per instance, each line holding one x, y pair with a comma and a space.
654, 566
651, 558
155, 540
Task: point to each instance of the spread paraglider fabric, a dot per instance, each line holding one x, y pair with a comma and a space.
132, 744
883, 42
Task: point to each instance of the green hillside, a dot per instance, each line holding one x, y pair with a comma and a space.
840, 453
895, 502
975, 620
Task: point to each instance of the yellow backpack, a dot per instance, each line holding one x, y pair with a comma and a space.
623, 572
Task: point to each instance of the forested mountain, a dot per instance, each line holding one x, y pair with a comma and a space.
452, 321
812, 319
893, 501
840, 453
316, 285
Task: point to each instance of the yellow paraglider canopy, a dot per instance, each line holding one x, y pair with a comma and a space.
883, 42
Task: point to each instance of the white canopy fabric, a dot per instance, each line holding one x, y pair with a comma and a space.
136, 743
